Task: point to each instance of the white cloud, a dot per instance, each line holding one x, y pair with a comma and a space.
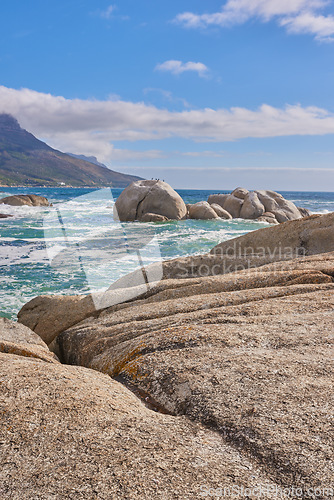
299, 16
90, 126
108, 12
178, 67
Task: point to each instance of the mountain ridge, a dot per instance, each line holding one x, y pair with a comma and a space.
27, 161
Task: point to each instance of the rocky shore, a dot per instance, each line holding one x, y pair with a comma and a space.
218, 376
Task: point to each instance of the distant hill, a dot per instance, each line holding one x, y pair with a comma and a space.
27, 161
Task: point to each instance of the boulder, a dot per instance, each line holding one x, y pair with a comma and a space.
233, 206
282, 209
306, 236
47, 315
218, 199
5, 216
71, 432
30, 200
304, 212
240, 193
20, 340
248, 355
202, 210
143, 197
223, 214
252, 208
153, 218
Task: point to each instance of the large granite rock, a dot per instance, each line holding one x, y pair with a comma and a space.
275, 203
30, 200
233, 205
252, 208
254, 204
248, 355
240, 192
70, 432
143, 197
219, 199
18, 339
223, 214
307, 236
202, 210
241, 361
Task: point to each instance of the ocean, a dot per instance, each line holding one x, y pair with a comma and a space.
75, 247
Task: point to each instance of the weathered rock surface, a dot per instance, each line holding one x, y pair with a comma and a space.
243, 362
153, 218
30, 200
304, 212
240, 193
202, 210
252, 208
70, 432
20, 340
233, 205
308, 236
143, 197
223, 214
219, 199
254, 204
275, 203
248, 354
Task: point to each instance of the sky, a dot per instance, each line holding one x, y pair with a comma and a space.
204, 94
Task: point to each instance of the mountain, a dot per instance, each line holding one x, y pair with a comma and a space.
27, 161
91, 159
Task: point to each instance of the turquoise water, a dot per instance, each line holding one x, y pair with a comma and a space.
76, 246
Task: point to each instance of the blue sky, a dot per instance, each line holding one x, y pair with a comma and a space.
205, 95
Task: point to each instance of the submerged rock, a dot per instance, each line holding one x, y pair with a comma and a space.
30, 200
153, 218
143, 197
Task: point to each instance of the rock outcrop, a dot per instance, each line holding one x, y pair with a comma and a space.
154, 197
249, 355
257, 205
29, 200
236, 366
202, 210
276, 204
72, 432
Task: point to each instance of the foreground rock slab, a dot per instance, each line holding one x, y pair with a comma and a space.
70, 432
249, 355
